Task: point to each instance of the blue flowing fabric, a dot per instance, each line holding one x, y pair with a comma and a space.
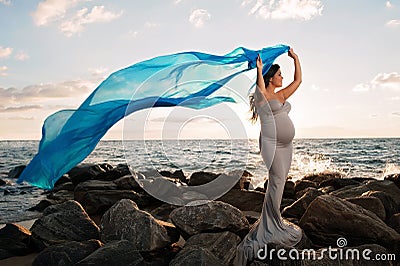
189, 79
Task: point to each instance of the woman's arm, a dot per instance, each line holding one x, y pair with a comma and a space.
260, 79
292, 87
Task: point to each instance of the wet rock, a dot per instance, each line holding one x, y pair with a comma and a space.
289, 190
394, 222
84, 172
195, 256
200, 178
61, 195
244, 200
303, 184
388, 202
99, 201
120, 252
395, 178
110, 175
3, 182
124, 220
43, 204
297, 209
63, 179
213, 216
89, 185
162, 212
221, 245
67, 253
127, 182
286, 202
64, 222
327, 218
64, 186
16, 171
318, 178
338, 183
370, 203
15, 240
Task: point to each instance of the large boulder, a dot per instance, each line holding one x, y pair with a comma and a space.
124, 220
221, 245
121, 252
328, 218
244, 200
15, 240
67, 253
89, 185
83, 172
388, 202
213, 216
318, 178
127, 182
395, 178
338, 183
372, 204
201, 178
16, 171
303, 184
64, 222
297, 209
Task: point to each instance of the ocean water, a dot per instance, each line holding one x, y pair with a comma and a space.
366, 157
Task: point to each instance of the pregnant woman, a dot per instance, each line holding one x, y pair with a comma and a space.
277, 133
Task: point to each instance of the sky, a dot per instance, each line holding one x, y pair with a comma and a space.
54, 53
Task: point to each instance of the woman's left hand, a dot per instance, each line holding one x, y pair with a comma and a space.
292, 54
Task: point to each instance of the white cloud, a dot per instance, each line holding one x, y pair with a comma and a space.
388, 4
5, 2
21, 56
198, 17
83, 16
5, 51
393, 23
3, 71
389, 81
286, 9
52, 10
396, 113
19, 108
177, 2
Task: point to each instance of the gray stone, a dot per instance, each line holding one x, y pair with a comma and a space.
64, 222
244, 200
124, 220
372, 204
297, 209
195, 256
120, 252
213, 216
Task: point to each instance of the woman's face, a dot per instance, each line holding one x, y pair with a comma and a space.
276, 80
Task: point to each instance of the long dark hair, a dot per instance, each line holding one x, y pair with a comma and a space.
270, 73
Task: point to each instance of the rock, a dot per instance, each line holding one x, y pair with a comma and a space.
67, 253
64, 186
195, 256
327, 189
162, 212
84, 172
213, 216
303, 184
89, 185
327, 218
289, 190
16, 171
110, 175
338, 183
200, 178
286, 202
64, 222
221, 245
244, 180
244, 200
395, 178
379, 185
99, 201
124, 220
120, 252
43, 204
61, 196
15, 240
370, 203
297, 209
128, 182
394, 222
388, 202
63, 179
321, 177
3, 183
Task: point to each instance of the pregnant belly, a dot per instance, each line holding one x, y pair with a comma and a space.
285, 130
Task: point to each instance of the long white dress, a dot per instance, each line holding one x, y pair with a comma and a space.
277, 133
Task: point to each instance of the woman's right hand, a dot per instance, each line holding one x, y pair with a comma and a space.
259, 62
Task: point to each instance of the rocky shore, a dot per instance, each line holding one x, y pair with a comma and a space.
98, 214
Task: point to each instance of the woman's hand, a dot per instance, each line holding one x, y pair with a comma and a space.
292, 54
259, 62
